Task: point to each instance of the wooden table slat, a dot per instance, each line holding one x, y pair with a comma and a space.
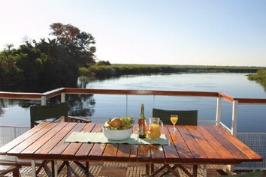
133, 152
181, 146
72, 148
123, 151
37, 144
21, 138
220, 149
193, 146
226, 143
240, 145
48, 146
157, 153
27, 142
85, 148
170, 151
110, 150
97, 149
144, 152
203, 144
61, 146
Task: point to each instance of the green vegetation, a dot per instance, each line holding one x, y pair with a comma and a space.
69, 53
48, 63
102, 71
259, 77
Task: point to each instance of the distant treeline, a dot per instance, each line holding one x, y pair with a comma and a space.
103, 71
259, 77
69, 53
48, 63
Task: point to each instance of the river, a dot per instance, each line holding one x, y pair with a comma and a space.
102, 107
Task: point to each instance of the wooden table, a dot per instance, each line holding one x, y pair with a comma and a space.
189, 144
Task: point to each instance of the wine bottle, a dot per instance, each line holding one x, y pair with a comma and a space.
142, 123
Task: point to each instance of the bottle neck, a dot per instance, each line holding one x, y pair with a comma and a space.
142, 116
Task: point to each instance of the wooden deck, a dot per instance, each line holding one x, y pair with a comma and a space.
110, 169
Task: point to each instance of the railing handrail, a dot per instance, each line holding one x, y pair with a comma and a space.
20, 95
66, 90
140, 92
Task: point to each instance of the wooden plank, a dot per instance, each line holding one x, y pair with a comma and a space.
144, 152
180, 144
193, 146
27, 142
123, 151
134, 148
39, 143
61, 146
226, 143
21, 138
110, 151
48, 146
157, 153
85, 148
220, 149
97, 149
240, 145
72, 148
170, 151
203, 144
133, 152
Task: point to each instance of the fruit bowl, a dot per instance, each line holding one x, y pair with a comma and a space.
119, 128
117, 134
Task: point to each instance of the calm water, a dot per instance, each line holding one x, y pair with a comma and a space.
102, 107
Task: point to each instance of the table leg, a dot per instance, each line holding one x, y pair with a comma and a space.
55, 168
204, 168
195, 171
33, 166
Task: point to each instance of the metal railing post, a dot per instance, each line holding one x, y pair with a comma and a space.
234, 118
6, 101
126, 105
153, 101
218, 110
63, 97
43, 100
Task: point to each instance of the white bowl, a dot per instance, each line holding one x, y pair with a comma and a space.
117, 134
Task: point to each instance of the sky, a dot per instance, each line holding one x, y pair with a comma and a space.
193, 32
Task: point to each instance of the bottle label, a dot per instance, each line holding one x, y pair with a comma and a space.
141, 127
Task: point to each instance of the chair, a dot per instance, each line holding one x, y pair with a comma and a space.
185, 117
188, 117
53, 113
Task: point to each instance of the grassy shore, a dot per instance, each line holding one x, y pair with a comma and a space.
259, 77
116, 70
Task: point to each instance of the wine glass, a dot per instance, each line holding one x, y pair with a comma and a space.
174, 119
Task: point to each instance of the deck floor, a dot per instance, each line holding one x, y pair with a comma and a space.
110, 169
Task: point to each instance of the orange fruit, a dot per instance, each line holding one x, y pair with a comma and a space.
116, 122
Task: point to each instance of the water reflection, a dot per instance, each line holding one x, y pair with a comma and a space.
17, 113
81, 105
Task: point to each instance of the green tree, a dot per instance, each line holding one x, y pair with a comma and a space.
48, 63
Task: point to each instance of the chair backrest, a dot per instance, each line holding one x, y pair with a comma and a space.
48, 111
187, 117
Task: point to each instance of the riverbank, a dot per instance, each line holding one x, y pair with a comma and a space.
117, 70
259, 77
